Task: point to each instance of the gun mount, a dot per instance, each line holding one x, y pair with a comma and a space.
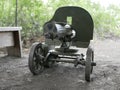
58, 31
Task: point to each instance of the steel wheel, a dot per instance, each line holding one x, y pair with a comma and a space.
88, 67
36, 58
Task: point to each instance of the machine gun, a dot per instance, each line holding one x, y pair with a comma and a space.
58, 32
61, 31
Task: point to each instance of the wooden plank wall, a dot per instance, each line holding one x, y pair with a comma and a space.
6, 39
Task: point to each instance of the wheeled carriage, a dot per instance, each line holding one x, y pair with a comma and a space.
70, 26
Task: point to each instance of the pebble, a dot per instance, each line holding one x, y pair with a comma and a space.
8, 71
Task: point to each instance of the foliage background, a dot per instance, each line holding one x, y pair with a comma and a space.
32, 14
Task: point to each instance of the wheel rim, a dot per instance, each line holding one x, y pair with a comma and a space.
36, 58
88, 67
92, 61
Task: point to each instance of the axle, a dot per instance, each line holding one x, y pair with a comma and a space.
72, 60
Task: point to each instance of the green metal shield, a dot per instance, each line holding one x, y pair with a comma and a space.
80, 20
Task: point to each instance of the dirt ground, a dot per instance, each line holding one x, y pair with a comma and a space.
15, 75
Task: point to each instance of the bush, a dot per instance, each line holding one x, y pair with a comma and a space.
32, 14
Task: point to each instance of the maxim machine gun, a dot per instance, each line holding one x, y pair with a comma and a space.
61, 31
70, 26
